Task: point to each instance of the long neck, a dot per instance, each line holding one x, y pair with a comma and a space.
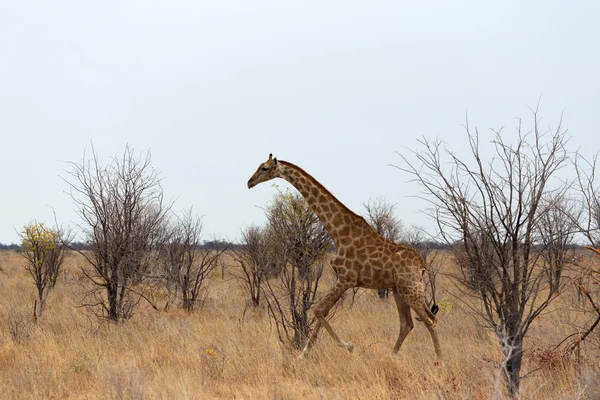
334, 215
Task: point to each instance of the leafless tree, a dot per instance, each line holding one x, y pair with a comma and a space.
299, 252
492, 210
380, 215
253, 259
186, 265
44, 252
123, 216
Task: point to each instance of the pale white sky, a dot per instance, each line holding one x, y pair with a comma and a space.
212, 87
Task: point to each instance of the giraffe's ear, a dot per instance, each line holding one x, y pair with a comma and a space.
275, 160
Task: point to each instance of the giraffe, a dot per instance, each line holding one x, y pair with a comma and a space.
363, 258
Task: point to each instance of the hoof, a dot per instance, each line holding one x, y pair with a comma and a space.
350, 346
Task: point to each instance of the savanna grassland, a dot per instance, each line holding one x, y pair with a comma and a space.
220, 351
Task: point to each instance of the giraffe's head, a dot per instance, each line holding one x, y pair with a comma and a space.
266, 171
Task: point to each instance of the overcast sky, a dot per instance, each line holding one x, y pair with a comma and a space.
212, 87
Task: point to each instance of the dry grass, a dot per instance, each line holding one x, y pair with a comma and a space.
213, 353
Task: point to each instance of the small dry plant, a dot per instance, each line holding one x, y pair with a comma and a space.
125, 382
20, 323
213, 362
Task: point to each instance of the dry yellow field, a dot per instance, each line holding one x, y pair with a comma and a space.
216, 353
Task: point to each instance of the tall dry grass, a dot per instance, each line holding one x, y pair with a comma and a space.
218, 352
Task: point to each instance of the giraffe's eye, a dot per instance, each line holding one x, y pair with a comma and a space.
265, 168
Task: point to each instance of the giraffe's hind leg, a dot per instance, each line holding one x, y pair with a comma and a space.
414, 298
406, 321
321, 311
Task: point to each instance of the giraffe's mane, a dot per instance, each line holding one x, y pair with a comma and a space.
315, 182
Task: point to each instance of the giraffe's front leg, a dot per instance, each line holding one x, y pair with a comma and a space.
321, 311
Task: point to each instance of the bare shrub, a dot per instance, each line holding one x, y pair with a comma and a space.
186, 265
253, 259
380, 215
492, 213
300, 245
123, 218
